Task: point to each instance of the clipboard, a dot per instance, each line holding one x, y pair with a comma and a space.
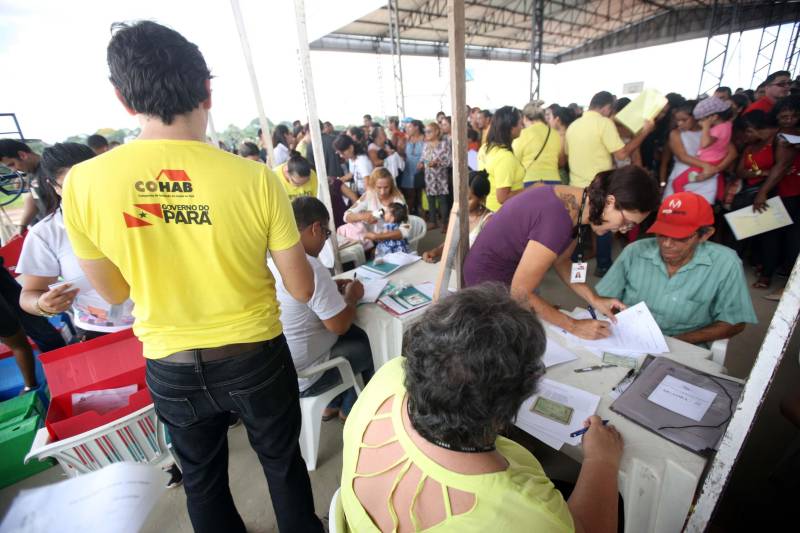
701, 437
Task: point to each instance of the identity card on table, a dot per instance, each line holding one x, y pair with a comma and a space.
745, 222
555, 411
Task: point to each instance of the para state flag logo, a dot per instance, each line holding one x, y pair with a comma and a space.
143, 212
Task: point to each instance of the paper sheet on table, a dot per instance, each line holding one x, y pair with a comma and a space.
745, 222
77, 283
552, 433
556, 354
372, 290
635, 333
401, 259
646, 106
102, 401
683, 398
791, 139
117, 498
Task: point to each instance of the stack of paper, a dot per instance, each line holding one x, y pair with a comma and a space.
635, 333
745, 222
646, 106
553, 432
401, 300
383, 266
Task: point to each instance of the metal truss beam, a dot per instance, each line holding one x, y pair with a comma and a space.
716, 54
679, 24
397, 59
537, 43
767, 44
793, 51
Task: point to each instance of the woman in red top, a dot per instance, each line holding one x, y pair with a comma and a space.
781, 246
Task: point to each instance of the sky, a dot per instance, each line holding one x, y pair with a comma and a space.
54, 51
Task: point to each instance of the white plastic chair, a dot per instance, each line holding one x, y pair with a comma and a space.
418, 230
312, 406
353, 253
718, 351
138, 437
336, 520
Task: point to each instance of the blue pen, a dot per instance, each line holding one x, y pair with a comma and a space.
591, 312
583, 430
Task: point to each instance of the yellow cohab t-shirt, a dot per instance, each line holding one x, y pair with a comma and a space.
535, 140
590, 142
504, 170
309, 188
189, 227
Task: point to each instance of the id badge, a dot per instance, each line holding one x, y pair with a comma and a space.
578, 274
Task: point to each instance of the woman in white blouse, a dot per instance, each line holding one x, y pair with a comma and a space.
47, 256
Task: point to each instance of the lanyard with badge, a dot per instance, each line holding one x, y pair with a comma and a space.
579, 267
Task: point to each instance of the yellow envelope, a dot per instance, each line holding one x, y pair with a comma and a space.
646, 106
745, 222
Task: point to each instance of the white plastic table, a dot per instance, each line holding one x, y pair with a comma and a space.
657, 478
385, 330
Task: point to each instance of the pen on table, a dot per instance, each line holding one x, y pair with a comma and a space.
355, 274
628, 376
595, 367
583, 430
591, 312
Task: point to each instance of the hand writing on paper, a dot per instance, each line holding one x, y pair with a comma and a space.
602, 443
608, 306
591, 329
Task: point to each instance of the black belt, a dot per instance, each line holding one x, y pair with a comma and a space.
213, 354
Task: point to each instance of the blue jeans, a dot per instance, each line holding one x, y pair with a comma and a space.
353, 346
195, 401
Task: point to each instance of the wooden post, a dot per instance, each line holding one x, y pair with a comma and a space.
766, 365
266, 136
304, 57
458, 99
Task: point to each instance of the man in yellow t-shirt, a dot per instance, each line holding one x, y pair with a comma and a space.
592, 141
297, 177
184, 229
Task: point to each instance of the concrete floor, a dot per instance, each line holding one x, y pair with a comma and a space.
750, 488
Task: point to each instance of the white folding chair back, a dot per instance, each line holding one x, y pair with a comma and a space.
418, 230
138, 437
311, 407
336, 520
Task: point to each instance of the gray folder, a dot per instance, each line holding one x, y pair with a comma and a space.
701, 437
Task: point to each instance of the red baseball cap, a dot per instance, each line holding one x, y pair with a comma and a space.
681, 214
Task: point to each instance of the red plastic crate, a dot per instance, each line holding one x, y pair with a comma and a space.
107, 362
11, 252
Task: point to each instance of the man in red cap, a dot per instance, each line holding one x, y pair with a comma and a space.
695, 289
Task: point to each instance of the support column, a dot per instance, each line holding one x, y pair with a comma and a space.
323, 191
724, 21
767, 44
397, 59
458, 99
537, 43
793, 51
248, 58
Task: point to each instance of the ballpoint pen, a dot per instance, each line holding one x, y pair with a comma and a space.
583, 430
592, 312
595, 367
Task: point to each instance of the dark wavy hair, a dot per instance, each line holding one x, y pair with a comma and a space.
55, 160
471, 361
479, 183
564, 114
633, 188
503, 121
758, 120
157, 70
342, 142
791, 102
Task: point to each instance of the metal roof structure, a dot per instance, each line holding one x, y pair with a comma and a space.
570, 29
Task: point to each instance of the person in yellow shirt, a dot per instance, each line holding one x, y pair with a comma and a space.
592, 145
538, 148
184, 228
422, 449
505, 171
297, 176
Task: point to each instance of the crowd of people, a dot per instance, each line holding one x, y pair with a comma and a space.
549, 187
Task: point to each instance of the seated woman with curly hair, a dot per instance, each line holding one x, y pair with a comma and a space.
422, 449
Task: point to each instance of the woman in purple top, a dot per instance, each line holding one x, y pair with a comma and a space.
537, 229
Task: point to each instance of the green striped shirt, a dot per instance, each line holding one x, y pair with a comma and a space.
709, 288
